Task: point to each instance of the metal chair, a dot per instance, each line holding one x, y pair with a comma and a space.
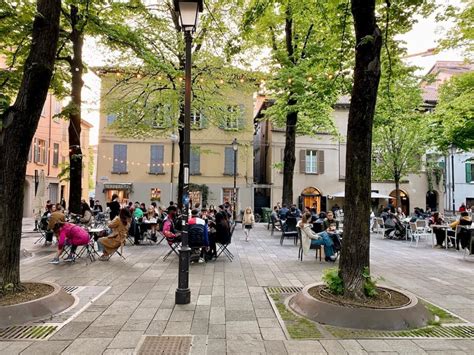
380, 226
289, 230
300, 250
416, 233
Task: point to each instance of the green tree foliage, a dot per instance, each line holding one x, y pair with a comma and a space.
462, 34
453, 120
147, 90
309, 44
400, 136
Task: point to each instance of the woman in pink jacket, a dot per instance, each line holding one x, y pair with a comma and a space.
66, 233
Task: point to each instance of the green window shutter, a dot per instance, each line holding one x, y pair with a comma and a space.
120, 158
156, 159
229, 161
241, 117
195, 161
468, 172
204, 121
320, 160
303, 161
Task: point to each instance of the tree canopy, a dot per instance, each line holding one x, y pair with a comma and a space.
453, 120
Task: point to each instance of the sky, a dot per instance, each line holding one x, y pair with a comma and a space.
422, 37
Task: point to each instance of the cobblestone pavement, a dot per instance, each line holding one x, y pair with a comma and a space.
229, 312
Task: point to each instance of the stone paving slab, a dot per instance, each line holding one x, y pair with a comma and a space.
229, 312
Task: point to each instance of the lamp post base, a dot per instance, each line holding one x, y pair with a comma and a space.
182, 296
183, 293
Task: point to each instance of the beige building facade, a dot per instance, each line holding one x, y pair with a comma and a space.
319, 169
146, 170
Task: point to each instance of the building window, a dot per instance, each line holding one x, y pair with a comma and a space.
155, 195
234, 118
469, 172
229, 161
55, 154
227, 195
40, 151
120, 159
197, 120
111, 117
195, 161
156, 159
162, 117
30, 152
311, 161
57, 110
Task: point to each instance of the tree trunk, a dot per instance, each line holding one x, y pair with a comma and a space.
397, 191
19, 124
355, 249
75, 152
289, 155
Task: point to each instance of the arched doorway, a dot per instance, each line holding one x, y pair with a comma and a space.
311, 197
432, 200
404, 199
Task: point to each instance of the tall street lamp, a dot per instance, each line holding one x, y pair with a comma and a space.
235, 147
174, 140
188, 14
453, 151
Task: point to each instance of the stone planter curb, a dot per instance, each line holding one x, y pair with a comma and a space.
412, 315
41, 308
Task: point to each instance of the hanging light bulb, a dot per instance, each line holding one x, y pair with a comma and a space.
310, 78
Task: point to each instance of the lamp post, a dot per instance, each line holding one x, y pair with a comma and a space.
174, 140
235, 147
188, 15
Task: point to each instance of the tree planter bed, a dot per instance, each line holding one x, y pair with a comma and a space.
57, 301
332, 311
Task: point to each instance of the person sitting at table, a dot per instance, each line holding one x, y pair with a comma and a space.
137, 211
330, 220
198, 234
119, 231
274, 218
169, 230
439, 233
97, 207
150, 218
67, 234
401, 216
464, 234
220, 231
310, 239
86, 214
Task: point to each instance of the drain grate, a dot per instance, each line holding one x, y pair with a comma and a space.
287, 290
32, 332
178, 345
445, 332
70, 289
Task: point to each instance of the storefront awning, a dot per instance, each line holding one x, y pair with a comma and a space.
119, 186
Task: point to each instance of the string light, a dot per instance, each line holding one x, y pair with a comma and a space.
290, 81
242, 80
160, 78
310, 78
330, 76
221, 81
139, 76
201, 80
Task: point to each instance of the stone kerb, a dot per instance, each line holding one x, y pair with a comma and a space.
412, 315
41, 308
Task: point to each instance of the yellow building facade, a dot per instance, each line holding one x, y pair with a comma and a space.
146, 170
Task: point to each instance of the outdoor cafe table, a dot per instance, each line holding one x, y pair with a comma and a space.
446, 227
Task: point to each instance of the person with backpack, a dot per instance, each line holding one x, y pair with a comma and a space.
198, 234
248, 221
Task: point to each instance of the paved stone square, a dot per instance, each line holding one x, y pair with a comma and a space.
229, 311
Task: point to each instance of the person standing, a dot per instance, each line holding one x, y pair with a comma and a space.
248, 222
114, 206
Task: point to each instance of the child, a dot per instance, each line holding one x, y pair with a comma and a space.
248, 222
